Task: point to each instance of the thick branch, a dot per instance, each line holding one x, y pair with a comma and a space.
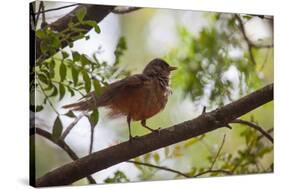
205, 123
94, 12
55, 9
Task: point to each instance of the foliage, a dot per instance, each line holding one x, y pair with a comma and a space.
204, 60
71, 73
118, 177
246, 160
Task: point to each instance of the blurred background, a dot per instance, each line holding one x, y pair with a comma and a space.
221, 57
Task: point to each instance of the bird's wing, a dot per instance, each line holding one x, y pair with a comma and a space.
109, 93
114, 90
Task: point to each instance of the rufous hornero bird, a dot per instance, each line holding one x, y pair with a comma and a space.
138, 97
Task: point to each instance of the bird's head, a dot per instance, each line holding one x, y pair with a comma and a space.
158, 67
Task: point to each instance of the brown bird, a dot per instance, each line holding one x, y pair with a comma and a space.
138, 97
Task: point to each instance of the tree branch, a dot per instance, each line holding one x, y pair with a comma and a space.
63, 146
186, 175
218, 153
159, 167
124, 10
71, 125
254, 126
250, 44
94, 12
213, 171
206, 122
58, 8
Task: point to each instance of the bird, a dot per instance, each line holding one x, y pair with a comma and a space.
138, 97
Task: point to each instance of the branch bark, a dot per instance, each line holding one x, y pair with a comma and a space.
205, 123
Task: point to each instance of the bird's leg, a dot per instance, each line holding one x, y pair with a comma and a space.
143, 123
129, 125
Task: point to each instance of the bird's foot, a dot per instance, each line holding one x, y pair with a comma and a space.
156, 130
131, 139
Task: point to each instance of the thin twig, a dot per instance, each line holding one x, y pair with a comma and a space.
38, 15
268, 131
92, 136
91, 139
218, 153
179, 172
159, 167
124, 10
62, 145
254, 126
59, 8
44, 22
66, 85
47, 97
249, 42
214, 171
204, 110
68, 129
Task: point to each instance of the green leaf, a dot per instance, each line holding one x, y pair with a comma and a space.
80, 14
76, 56
44, 46
147, 157
70, 44
120, 48
62, 71
57, 129
93, 24
156, 157
64, 54
70, 114
77, 37
50, 86
97, 87
40, 34
118, 177
43, 78
84, 60
71, 91
87, 81
62, 91
94, 117
75, 75
55, 91
97, 29
39, 108
52, 68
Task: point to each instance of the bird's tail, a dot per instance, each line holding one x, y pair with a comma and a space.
87, 103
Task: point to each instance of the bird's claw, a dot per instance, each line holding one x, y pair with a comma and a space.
156, 130
131, 139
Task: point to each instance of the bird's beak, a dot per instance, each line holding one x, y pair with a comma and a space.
172, 68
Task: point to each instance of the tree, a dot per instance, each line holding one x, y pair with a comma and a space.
203, 61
